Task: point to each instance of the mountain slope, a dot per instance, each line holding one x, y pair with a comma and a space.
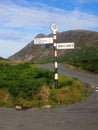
82, 39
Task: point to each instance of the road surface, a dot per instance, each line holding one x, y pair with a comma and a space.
86, 77
80, 116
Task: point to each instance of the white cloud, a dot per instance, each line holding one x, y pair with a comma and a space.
15, 16
20, 23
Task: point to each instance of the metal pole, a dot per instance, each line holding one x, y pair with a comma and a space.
55, 62
54, 28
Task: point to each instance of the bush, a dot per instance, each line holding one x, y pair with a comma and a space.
24, 85
23, 80
5, 98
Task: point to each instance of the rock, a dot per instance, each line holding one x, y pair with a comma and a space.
47, 107
18, 107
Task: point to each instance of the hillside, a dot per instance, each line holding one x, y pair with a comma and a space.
81, 38
1, 58
85, 52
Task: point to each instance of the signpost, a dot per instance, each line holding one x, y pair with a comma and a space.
56, 46
54, 28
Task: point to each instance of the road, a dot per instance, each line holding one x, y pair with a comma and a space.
86, 77
80, 116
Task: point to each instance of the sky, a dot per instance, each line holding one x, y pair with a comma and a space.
22, 20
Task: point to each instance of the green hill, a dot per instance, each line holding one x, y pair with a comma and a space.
84, 55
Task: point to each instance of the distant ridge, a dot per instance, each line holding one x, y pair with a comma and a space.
82, 38
1, 58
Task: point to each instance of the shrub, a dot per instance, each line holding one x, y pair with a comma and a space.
24, 85
5, 98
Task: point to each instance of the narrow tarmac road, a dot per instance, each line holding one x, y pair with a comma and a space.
86, 77
80, 116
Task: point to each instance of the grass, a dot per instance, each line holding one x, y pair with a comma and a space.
86, 59
70, 91
23, 84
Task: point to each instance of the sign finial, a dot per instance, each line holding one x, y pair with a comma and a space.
54, 27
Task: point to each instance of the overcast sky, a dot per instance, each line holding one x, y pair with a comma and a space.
22, 20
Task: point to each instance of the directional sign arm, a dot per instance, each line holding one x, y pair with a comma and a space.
69, 45
47, 40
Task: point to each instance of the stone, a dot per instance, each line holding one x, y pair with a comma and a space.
47, 107
18, 107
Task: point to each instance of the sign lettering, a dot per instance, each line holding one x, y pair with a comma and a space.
47, 40
69, 45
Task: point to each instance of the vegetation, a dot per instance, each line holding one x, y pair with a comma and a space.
86, 58
24, 84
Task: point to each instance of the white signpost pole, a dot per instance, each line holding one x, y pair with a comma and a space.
54, 28
53, 40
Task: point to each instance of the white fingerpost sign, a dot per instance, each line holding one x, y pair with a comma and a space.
53, 40
47, 40
69, 45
